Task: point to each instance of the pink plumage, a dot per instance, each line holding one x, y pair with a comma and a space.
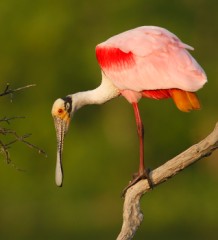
149, 58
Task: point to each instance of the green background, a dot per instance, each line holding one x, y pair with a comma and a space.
52, 44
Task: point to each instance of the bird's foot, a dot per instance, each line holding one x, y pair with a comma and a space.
136, 178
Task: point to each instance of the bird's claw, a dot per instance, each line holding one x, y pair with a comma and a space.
136, 178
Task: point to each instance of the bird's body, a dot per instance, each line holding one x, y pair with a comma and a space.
149, 58
147, 62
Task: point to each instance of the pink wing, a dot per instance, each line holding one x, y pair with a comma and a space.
148, 58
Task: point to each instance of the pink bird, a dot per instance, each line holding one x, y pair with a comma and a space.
145, 62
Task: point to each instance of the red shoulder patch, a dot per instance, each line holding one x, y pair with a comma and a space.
109, 57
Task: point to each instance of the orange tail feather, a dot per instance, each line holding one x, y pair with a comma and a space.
185, 101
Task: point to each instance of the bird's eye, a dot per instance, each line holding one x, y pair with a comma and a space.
60, 110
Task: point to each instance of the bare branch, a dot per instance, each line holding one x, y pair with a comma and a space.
7, 120
18, 138
132, 215
8, 90
4, 151
15, 137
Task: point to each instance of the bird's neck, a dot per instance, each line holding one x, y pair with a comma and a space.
105, 92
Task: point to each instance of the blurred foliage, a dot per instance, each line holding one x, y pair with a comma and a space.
52, 44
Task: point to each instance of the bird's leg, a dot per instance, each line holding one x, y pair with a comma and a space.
140, 130
143, 173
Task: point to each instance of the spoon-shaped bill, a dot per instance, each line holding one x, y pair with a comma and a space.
59, 167
61, 127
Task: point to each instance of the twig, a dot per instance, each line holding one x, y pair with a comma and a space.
18, 138
5, 152
132, 215
7, 120
11, 91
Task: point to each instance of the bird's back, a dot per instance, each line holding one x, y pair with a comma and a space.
149, 58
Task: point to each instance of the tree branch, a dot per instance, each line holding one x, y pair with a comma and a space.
16, 138
132, 215
7, 120
8, 90
4, 147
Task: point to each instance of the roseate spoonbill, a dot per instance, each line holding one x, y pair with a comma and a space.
148, 62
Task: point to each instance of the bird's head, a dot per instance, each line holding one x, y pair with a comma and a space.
62, 112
